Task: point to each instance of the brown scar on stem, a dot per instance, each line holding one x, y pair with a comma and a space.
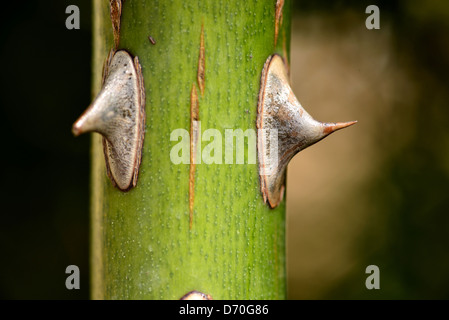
278, 19
194, 135
201, 63
153, 42
196, 295
116, 13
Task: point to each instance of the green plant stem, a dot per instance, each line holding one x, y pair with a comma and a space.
142, 243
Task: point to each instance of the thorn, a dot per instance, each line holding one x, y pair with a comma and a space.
118, 114
196, 295
285, 128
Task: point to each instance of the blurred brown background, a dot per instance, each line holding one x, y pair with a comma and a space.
376, 193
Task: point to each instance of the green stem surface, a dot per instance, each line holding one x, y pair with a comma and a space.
142, 243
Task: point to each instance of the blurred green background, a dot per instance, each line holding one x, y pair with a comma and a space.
377, 193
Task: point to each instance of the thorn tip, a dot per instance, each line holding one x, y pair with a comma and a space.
332, 127
77, 128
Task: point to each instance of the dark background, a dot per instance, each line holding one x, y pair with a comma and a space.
45, 86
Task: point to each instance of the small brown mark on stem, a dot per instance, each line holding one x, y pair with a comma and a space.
278, 19
194, 136
153, 42
116, 13
202, 63
196, 295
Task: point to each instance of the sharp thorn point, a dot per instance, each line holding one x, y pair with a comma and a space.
76, 129
332, 127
